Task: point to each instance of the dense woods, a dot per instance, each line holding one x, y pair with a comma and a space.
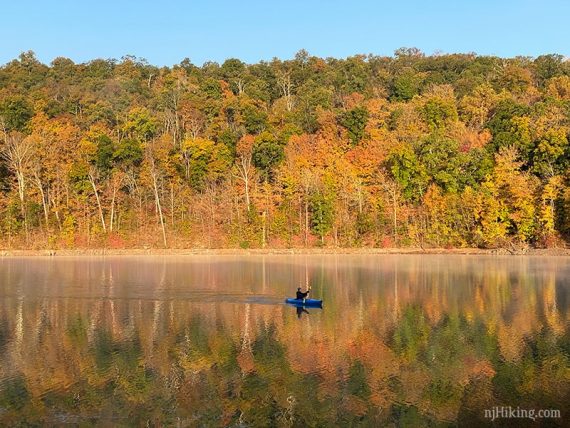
410, 150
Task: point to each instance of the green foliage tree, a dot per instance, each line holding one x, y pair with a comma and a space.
267, 153
438, 113
15, 113
509, 126
355, 121
208, 161
550, 155
129, 153
322, 214
406, 85
255, 120
407, 170
442, 161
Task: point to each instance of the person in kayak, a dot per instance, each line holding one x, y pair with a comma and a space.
301, 295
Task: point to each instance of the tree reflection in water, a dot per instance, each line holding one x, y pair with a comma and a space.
410, 340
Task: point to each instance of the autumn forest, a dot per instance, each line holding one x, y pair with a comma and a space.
445, 151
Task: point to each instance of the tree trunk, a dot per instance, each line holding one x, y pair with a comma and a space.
395, 219
172, 205
159, 207
101, 216
44, 201
306, 220
247, 202
263, 220
22, 194
17, 151
244, 170
112, 215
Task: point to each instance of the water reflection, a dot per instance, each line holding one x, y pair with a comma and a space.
300, 311
406, 340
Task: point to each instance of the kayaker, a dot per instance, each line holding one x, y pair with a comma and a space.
301, 295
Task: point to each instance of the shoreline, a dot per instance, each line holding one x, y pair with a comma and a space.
279, 251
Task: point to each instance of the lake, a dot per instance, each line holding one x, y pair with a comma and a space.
410, 340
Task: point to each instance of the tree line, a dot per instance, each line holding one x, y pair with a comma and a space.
409, 150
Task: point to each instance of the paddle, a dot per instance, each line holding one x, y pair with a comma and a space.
308, 292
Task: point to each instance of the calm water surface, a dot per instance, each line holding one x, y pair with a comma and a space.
207, 341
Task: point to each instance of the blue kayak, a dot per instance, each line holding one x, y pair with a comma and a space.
311, 303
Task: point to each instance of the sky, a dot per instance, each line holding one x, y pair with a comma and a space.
167, 31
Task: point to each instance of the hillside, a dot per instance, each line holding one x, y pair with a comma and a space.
442, 151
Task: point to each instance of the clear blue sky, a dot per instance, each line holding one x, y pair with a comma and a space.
167, 31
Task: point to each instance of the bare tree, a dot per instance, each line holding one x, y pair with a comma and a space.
307, 182
245, 169
155, 176
286, 86
392, 189
241, 84
193, 122
116, 182
93, 175
39, 182
16, 151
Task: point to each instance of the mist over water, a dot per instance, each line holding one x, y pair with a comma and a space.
208, 341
